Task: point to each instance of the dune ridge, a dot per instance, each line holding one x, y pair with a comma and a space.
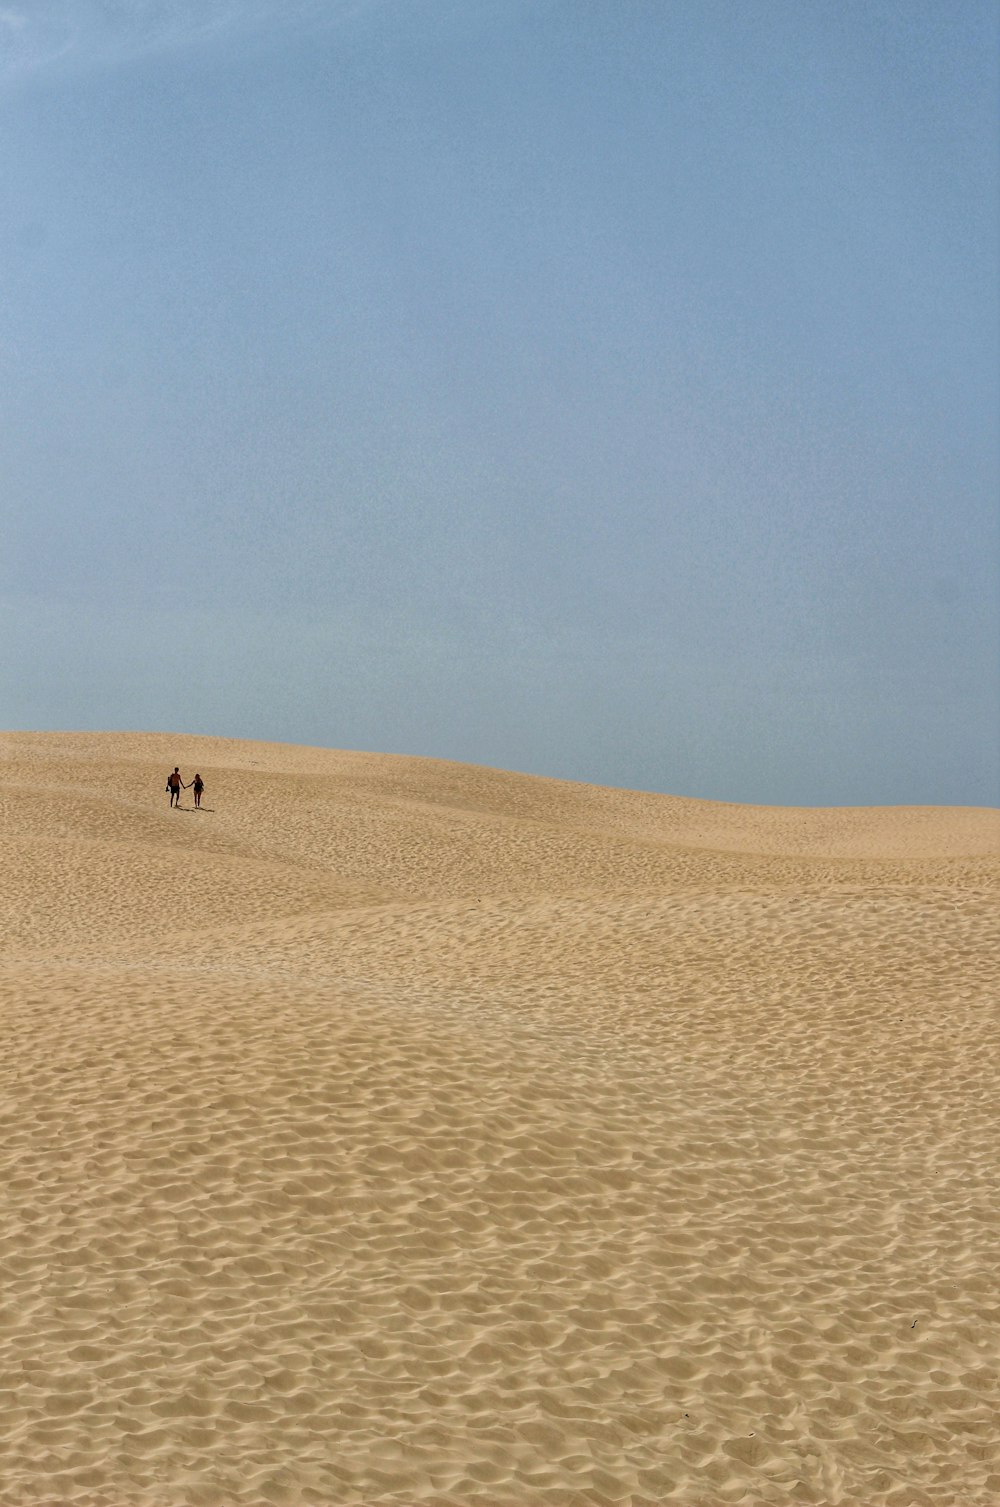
399, 1131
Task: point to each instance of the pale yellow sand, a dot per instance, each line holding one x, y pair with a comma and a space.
400, 1132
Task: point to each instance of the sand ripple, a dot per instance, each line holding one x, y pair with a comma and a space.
348, 1187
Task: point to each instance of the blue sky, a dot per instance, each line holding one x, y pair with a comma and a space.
597, 388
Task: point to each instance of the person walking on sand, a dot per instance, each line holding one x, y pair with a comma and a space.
197, 785
174, 786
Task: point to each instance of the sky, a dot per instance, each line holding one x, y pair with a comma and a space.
604, 389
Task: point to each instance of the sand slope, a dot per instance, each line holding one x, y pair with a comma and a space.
396, 1131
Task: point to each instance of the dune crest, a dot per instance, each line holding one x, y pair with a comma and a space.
394, 1131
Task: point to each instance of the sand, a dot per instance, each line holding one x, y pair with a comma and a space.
397, 1131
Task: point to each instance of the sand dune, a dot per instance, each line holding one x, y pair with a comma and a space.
397, 1131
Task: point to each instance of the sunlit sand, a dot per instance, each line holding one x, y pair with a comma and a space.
397, 1131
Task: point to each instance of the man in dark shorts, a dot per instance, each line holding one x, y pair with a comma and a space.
174, 786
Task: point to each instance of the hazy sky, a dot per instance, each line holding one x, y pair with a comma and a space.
596, 388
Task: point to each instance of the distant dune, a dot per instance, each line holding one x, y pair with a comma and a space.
394, 1131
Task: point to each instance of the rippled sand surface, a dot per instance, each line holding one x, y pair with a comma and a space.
402, 1132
